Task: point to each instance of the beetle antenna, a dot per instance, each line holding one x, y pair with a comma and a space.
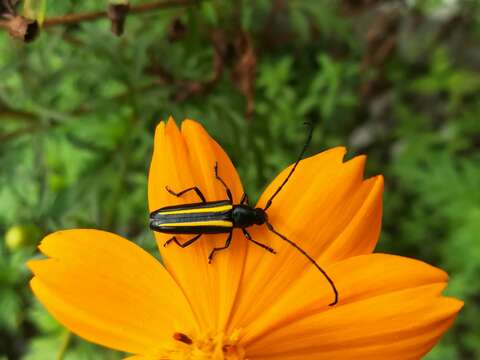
312, 260
307, 142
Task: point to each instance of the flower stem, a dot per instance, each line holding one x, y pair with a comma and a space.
64, 347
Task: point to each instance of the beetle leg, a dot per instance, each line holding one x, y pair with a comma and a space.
227, 244
196, 189
249, 238
185, 244
244, 200
229, 193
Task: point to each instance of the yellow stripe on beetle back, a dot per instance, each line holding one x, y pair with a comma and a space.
220, 208
220, 223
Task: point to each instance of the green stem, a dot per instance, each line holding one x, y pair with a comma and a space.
65, 344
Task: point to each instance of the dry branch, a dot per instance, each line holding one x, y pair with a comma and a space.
97, 15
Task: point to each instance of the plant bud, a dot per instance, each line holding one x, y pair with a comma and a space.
22, 236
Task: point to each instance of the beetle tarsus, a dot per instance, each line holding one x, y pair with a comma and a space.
227, 244
249, 238
194, 188
227, 190
185, 244
169, 241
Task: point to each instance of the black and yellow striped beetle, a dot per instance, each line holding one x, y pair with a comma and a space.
222, 217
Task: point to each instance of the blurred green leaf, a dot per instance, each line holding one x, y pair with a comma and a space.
10, 306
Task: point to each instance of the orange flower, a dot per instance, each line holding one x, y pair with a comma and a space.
249, 304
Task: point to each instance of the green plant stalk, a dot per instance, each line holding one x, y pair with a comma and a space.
64, 346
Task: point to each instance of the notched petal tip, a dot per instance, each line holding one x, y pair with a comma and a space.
359, 161
378, 178
55, 244
339, 153
160, 128
34, 265
49, 239
191, 122
190, 126
355, 168
455, 304
171, 126
46, 242
162, 124
376, 185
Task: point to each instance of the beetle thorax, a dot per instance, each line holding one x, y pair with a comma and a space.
245, 216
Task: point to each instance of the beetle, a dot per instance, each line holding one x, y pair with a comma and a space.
222, 217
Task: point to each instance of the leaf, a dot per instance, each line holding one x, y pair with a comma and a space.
43, 347
35, 9
43, 321
10, 306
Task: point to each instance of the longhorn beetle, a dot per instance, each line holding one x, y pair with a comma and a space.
221, 217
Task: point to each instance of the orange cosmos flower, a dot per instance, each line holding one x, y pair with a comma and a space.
249, 304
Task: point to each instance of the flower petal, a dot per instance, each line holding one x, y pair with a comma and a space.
108, 290
389, 308
182, 160
327, 209
329, 206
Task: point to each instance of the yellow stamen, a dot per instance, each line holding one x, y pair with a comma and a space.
211, 346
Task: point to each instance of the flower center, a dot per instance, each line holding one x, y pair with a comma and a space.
211, 346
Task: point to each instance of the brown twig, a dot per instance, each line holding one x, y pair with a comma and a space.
96, 15
16, 115
8, 113
7, 7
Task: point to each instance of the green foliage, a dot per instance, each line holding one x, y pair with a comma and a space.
78, 109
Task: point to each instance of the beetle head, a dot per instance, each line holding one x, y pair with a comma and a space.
261, 216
